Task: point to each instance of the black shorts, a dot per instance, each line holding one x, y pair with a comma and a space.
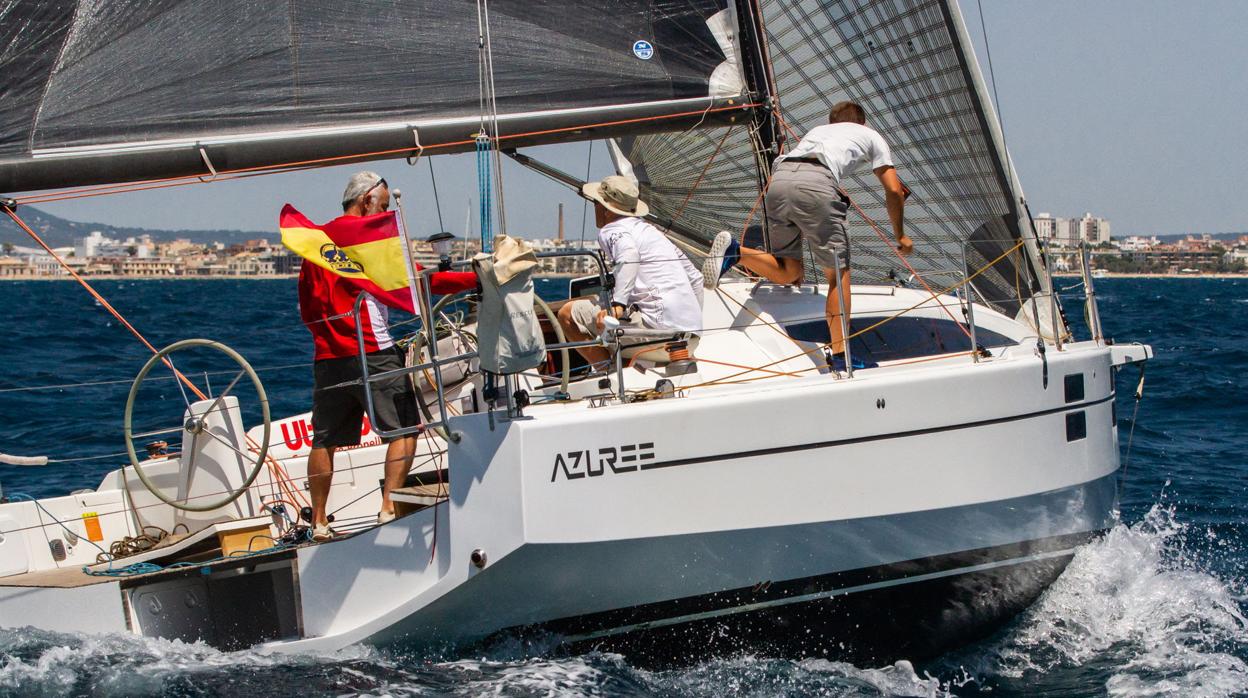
338, 413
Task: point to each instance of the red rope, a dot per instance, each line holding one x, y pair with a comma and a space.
702, 174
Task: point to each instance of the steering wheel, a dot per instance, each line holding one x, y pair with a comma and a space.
196, 425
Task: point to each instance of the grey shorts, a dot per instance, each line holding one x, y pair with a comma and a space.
338, 413
803, 203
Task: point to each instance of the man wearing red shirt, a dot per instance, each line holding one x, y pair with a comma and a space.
326, 304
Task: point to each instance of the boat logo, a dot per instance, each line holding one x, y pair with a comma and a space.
643, 49
339, 261
618, 459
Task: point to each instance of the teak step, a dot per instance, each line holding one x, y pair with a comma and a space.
411, 499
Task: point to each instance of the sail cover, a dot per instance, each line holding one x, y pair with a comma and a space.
911, 66
113, 77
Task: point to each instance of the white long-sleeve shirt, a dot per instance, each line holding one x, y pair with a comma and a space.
653, 274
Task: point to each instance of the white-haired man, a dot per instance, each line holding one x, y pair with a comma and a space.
327, 304
654, 280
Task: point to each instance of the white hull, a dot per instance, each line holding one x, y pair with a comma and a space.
779, 512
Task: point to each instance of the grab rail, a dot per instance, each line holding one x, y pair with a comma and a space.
424, 299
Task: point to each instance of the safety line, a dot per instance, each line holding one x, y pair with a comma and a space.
275, 467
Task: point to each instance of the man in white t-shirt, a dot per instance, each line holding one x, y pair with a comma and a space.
656, 286
805, 201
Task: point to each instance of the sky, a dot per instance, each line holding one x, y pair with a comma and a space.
1133, 110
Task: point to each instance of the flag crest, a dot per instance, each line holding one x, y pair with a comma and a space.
366, 250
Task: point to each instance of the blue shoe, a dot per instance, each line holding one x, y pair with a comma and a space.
838, 363
724, 254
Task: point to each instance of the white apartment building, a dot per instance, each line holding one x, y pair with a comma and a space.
1093, 230
1067, 232
1135, 243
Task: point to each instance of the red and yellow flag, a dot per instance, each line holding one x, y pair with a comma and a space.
366, 250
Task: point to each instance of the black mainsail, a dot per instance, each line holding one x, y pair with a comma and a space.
123, 90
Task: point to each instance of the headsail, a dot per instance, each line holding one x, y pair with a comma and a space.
105, 91
911, 65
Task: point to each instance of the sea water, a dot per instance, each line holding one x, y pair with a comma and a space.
1154, 607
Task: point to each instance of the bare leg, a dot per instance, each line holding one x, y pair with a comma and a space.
778, 270
399, 455
320, 477
574, 334
833, 308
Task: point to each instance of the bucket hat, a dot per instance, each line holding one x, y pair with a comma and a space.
618, 194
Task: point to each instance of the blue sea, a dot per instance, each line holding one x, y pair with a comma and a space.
1155, 607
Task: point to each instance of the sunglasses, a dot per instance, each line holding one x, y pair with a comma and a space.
380, 183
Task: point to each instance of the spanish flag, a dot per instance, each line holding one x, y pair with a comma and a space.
366, 251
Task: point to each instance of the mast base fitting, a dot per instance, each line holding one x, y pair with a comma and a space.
8, 203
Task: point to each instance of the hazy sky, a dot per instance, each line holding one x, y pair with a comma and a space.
1131, 109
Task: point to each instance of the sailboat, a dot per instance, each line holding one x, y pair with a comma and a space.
745, 498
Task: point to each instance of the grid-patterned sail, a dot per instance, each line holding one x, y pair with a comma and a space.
909, 63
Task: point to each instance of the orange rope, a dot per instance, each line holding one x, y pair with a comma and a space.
126, 323
875, 227
160, 183
901, 257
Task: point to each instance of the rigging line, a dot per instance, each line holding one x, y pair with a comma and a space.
281, 168
436, 201
935, 297
589, 160
900, 256
273, 464
86, 384
701, 174
996, 100
490, 95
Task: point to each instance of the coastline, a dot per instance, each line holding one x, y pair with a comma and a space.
1140, 275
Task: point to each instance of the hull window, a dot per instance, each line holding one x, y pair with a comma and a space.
1074, 388
1076, 426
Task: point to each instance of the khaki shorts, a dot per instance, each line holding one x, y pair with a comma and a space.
585, 315
804, 203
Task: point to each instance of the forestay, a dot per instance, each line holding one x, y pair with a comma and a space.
911, 65
121, 90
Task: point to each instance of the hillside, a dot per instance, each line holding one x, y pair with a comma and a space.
59, 232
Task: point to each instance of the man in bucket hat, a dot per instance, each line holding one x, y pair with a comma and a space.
656, 286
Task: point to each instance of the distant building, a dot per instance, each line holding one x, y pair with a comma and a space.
1045, 226
1092, 230
13, 268
1068, 232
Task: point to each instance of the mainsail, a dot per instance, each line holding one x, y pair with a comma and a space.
102, 91
911, 65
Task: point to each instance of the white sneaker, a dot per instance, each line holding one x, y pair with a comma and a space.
322, 533
384, 517
713, 265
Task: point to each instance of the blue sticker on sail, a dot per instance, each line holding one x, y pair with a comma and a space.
643, 49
